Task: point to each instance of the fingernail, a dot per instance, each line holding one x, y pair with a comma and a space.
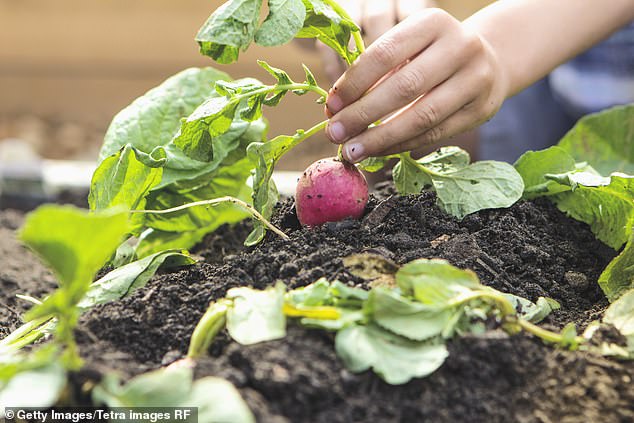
354, 152
334, 103
336, 131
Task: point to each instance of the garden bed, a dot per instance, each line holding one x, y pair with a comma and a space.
530, 250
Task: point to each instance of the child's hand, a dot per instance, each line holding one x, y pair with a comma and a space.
375, 17
437, 79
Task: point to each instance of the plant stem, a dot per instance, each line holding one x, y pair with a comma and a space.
545, 334
504, 305
356, 35
214, 201
286, 87
16, 339
212, 322
315, 312
314, 129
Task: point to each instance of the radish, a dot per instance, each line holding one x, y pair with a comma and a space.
330, 190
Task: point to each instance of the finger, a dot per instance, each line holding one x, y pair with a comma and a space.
460, 122
378, 18
438, 63
393, 48
406, 8
422, 115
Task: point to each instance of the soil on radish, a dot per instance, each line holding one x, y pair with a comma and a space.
530, 250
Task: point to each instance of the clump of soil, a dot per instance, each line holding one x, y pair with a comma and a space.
530, 249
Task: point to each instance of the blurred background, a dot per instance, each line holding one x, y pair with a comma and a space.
68, 66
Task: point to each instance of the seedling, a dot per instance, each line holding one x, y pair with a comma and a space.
400, 332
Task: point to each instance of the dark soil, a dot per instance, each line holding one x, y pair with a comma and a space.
530, 250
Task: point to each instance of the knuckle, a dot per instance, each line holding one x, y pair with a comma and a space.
438, 16
473, 44
362, 116
484, 76
434, 134
384, 51
380, 139
426, 116
408, 84
481, 111
489, 109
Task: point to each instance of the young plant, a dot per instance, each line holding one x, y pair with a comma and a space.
589, 175
75, 245
400, 332
203, 136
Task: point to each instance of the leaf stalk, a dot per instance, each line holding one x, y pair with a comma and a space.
215, 201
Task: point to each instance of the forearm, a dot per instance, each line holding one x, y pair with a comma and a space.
532, 37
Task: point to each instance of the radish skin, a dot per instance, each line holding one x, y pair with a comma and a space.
329, 191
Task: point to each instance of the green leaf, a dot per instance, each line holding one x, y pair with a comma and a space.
569, 337
40, 386
347, 317
435, 281
347, 300
374, 164
75, 244
159, 388
620, 314
533, 312
183, 173
227, 180
461, 188
123, 280
409, 176
446, 159
124, 179
226, 405
216, 399
328, 26
395, 359
280, 75
534, 165
285, 19
618, 276
315, 294
265, 156
235, 103
210, 120
608, 209
481, 185
256, 316
153, 241
347, 294
229, 29
404, 317
605, 140
310, 78
153, 119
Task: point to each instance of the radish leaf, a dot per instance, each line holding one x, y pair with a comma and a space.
256, 316
216, 400
122, 281
462, 188
605, 140
397, 360
620, 314
618, 275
